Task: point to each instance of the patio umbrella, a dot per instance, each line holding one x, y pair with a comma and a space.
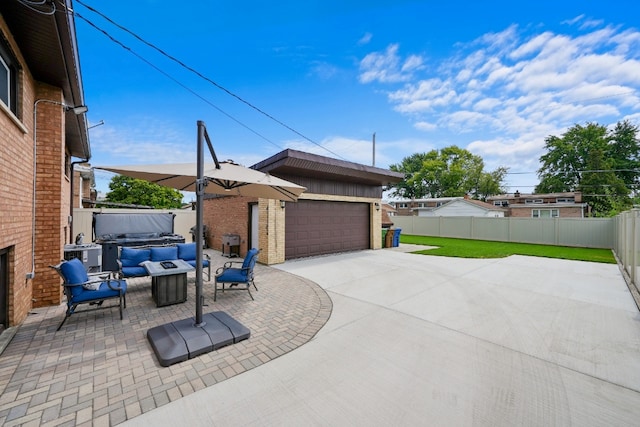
222, 178
217, 178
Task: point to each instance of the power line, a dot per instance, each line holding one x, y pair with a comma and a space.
580, 171
197, 73
173, 79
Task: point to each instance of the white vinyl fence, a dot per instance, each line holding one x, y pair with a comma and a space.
627, 243
581, 232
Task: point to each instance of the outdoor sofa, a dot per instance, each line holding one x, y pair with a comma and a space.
131, 260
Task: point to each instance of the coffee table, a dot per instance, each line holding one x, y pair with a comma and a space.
168, 285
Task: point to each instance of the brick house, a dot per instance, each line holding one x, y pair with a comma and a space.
340, 210
39, 71
549, 205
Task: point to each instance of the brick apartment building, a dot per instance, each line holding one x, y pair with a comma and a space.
39, 71
548, 205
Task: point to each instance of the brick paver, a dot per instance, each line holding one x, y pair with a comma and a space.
99, 370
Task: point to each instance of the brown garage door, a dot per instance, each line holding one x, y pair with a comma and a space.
317, 228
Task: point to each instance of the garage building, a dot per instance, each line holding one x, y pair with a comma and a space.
340, 210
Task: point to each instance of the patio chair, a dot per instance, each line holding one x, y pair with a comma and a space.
235, 276
92, 289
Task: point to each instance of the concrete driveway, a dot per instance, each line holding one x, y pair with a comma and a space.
422, 340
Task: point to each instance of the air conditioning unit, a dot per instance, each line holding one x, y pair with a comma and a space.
89, 254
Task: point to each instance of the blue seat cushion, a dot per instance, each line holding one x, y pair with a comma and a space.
187, 251
131, 257
164, 253
74, 272
232, 275
136, 271
192, 262
103, 293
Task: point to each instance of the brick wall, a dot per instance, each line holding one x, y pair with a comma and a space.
52, 196
16, 182
231, 215
227, 215
564, 212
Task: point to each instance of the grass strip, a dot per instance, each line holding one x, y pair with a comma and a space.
465, 248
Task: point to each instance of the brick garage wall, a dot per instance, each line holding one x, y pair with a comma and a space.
231, 215
16, 182
227, 215
52, 196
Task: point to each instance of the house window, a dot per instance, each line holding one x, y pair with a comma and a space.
533, 201
421, 205
402, 205
565, 200
545, 213
500, 203
8, 78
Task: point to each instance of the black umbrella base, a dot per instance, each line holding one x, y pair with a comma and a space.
181, 340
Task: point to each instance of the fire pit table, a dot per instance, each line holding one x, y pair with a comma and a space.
168, 281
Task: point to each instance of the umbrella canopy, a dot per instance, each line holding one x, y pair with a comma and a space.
229, 179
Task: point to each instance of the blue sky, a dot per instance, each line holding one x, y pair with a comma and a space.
494, 77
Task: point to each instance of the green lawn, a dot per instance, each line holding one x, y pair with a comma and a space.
463, 248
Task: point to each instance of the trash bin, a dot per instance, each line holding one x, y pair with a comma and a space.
388, 238
396, 237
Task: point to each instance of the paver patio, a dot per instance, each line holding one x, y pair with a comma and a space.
98, 370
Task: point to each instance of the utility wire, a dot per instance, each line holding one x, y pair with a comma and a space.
580, 171
174, 79
197, 73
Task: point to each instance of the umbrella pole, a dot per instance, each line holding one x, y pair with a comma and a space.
200, 185
183, 339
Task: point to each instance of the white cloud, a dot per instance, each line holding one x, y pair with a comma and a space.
324, 70
365, 39
387, 66
425, 126
507, 91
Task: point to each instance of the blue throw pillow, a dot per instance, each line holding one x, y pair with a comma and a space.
164, 253
74, 272
187, 251
131, 257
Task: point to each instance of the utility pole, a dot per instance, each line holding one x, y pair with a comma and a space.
374, 149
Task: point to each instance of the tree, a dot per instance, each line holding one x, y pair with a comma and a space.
624, 150
407, 188
604, 191
490, 184
134, 191
449, 172
602, 164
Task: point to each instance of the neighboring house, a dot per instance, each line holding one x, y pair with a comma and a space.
465, 207
388, 212
420, 207
340, 210
40, 134
550, 205
84, 195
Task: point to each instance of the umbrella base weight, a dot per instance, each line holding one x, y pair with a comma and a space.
181, 340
